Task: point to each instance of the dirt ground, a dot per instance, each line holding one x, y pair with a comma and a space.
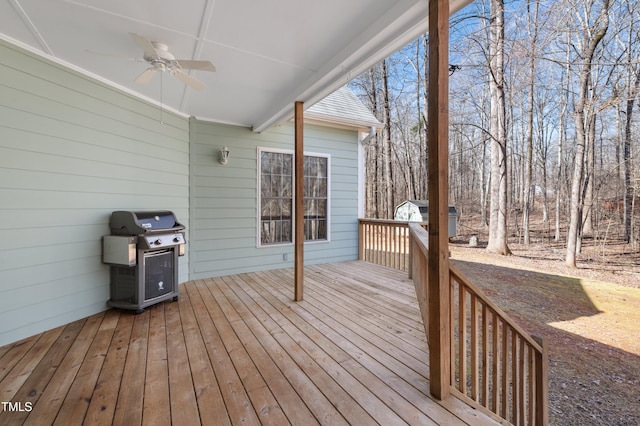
591, 316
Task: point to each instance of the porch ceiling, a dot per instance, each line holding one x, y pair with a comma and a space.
267, 54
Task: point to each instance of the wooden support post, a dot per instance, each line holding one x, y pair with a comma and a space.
299, 203
438, 190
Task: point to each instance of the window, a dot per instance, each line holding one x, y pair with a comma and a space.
315, 197
276, 197
276, 183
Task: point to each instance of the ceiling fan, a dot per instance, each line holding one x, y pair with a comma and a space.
158, 55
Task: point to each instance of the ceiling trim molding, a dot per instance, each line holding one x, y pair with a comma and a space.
29, 50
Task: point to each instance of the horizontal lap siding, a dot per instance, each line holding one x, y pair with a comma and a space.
224, 198
72, 150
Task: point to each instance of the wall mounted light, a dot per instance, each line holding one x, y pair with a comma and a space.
224, 155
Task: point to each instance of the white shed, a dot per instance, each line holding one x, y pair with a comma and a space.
418, 211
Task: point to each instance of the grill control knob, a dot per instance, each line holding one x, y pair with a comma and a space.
158, 242
176, 240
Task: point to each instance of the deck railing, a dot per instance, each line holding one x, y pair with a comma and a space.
495, 366
384, 242
495, 363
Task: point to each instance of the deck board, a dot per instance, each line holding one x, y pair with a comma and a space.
238, 350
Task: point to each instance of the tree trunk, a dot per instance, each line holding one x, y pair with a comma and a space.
424, 148
632, 92
589, 174
498, 206
564, 102
577, 200
526, 206
373, 167
387, 155
484, 186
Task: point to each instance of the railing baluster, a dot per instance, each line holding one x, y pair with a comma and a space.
384, 242
462, 337
495, 390
494, 365
452, 331
505, 370
485, 357
532, 386
393, 241
387, 235
474, 347
515, 378
522, 381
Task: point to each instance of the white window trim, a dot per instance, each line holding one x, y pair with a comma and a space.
260, 150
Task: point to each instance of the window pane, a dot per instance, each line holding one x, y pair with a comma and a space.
265, 186
307, 187
308, 208
285, 208
287, 165
322, 167
321, 209
322, 229
307, 165
275, 197
264, 208
276, 185
287, 186
321, 186
265, 163
315, 229
286, 232
277, 164
266, 233
315, 193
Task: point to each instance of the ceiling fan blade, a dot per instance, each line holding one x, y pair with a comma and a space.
146, 76
196, 65
188, 80
147, 47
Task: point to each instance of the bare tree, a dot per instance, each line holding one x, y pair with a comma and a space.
498, 207
592, 35
633, 84
387, 158
526, 205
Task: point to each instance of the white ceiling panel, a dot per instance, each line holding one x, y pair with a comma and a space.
267, 53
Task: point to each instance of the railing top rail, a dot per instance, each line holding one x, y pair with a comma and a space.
390, 221
420, 235
478, 292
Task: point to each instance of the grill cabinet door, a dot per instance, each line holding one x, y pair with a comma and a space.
158, 274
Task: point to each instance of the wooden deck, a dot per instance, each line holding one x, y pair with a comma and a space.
238, 350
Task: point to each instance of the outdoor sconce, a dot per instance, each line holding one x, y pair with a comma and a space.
224, 155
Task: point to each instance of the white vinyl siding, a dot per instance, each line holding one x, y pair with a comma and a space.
224, 201
72, 150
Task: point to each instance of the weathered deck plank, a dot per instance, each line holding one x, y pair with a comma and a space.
238, 350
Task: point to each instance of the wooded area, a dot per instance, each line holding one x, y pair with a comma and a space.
543, 121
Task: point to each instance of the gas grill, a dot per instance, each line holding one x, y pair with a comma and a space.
142, 252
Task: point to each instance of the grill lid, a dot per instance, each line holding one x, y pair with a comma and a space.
136, 223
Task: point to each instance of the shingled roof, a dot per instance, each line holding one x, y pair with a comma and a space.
342, 107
